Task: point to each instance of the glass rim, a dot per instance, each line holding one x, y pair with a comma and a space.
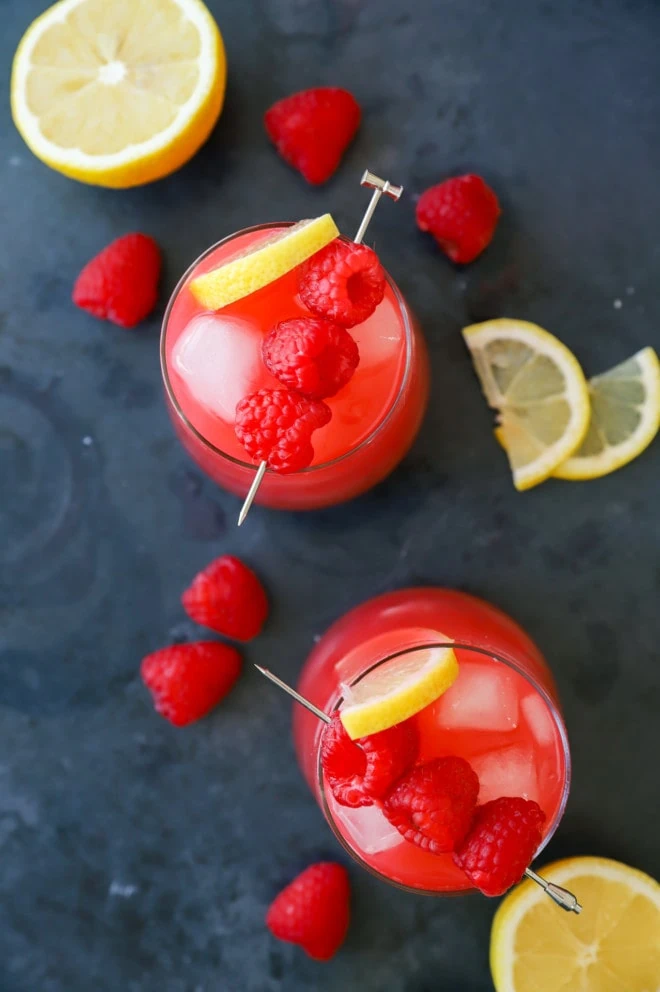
176, 407
557, 717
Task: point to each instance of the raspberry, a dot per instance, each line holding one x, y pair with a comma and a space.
188, 680
344, 282
461, 214
312, 129
276, 425
503, 839
313, 910
360, 771
433, 804
121, 282
228, 597
311, 355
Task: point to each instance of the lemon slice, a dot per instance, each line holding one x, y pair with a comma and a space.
612, 946
396, 690
625, 417
269, 259
538, 388
118, 93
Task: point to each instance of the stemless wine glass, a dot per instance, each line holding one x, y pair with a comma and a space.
502, 714
209, 361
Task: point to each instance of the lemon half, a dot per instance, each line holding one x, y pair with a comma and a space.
118, 93
397, 689
539, 391
612, 946
625, 417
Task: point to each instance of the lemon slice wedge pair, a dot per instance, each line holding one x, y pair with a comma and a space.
551, 421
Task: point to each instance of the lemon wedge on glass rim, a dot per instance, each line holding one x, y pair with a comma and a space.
118, 92
263, 262
612, 946
539, 391
397, 689
625, 418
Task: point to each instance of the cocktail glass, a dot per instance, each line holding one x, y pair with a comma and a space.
502, 714
210, 361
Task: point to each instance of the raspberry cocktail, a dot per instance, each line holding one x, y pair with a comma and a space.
320, 372
416, 802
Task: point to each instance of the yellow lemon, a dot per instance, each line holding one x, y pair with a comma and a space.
539, 391
625, 417
396, 690
612, 946
264, 262
118, 93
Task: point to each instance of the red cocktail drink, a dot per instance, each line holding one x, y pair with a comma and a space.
212, 360
501, 714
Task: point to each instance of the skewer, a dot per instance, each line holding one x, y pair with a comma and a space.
296, 695
380, 187
252, 492
562, 897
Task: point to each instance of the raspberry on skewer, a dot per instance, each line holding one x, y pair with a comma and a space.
312, 355
275, 426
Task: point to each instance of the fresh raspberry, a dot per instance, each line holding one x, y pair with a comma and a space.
311, 355
121, 282
461, 214
312, 129
276, 425
188, 680
228, 597
433, 804
313, 910
503, 839
344, 282
360, 771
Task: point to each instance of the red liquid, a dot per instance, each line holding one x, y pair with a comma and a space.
211, 360
501, 714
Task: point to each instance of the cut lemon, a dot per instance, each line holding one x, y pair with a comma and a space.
625, 417
261, 264
612, 946
396, 690
118, 93
538, 388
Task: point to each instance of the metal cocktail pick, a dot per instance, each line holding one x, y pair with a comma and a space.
252, 492
561, 896
380, 187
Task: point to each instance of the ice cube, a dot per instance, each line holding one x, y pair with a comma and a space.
508, 771
483, 697
220, 360
380, 337
539, 719
367, 828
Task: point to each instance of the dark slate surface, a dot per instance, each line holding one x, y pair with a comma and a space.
141, 858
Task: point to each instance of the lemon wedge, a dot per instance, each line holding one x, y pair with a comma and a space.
118, 93
612, 946
538, 388
625, 417
264, 262
397, 689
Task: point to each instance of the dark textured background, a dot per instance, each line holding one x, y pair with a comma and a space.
135, 857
